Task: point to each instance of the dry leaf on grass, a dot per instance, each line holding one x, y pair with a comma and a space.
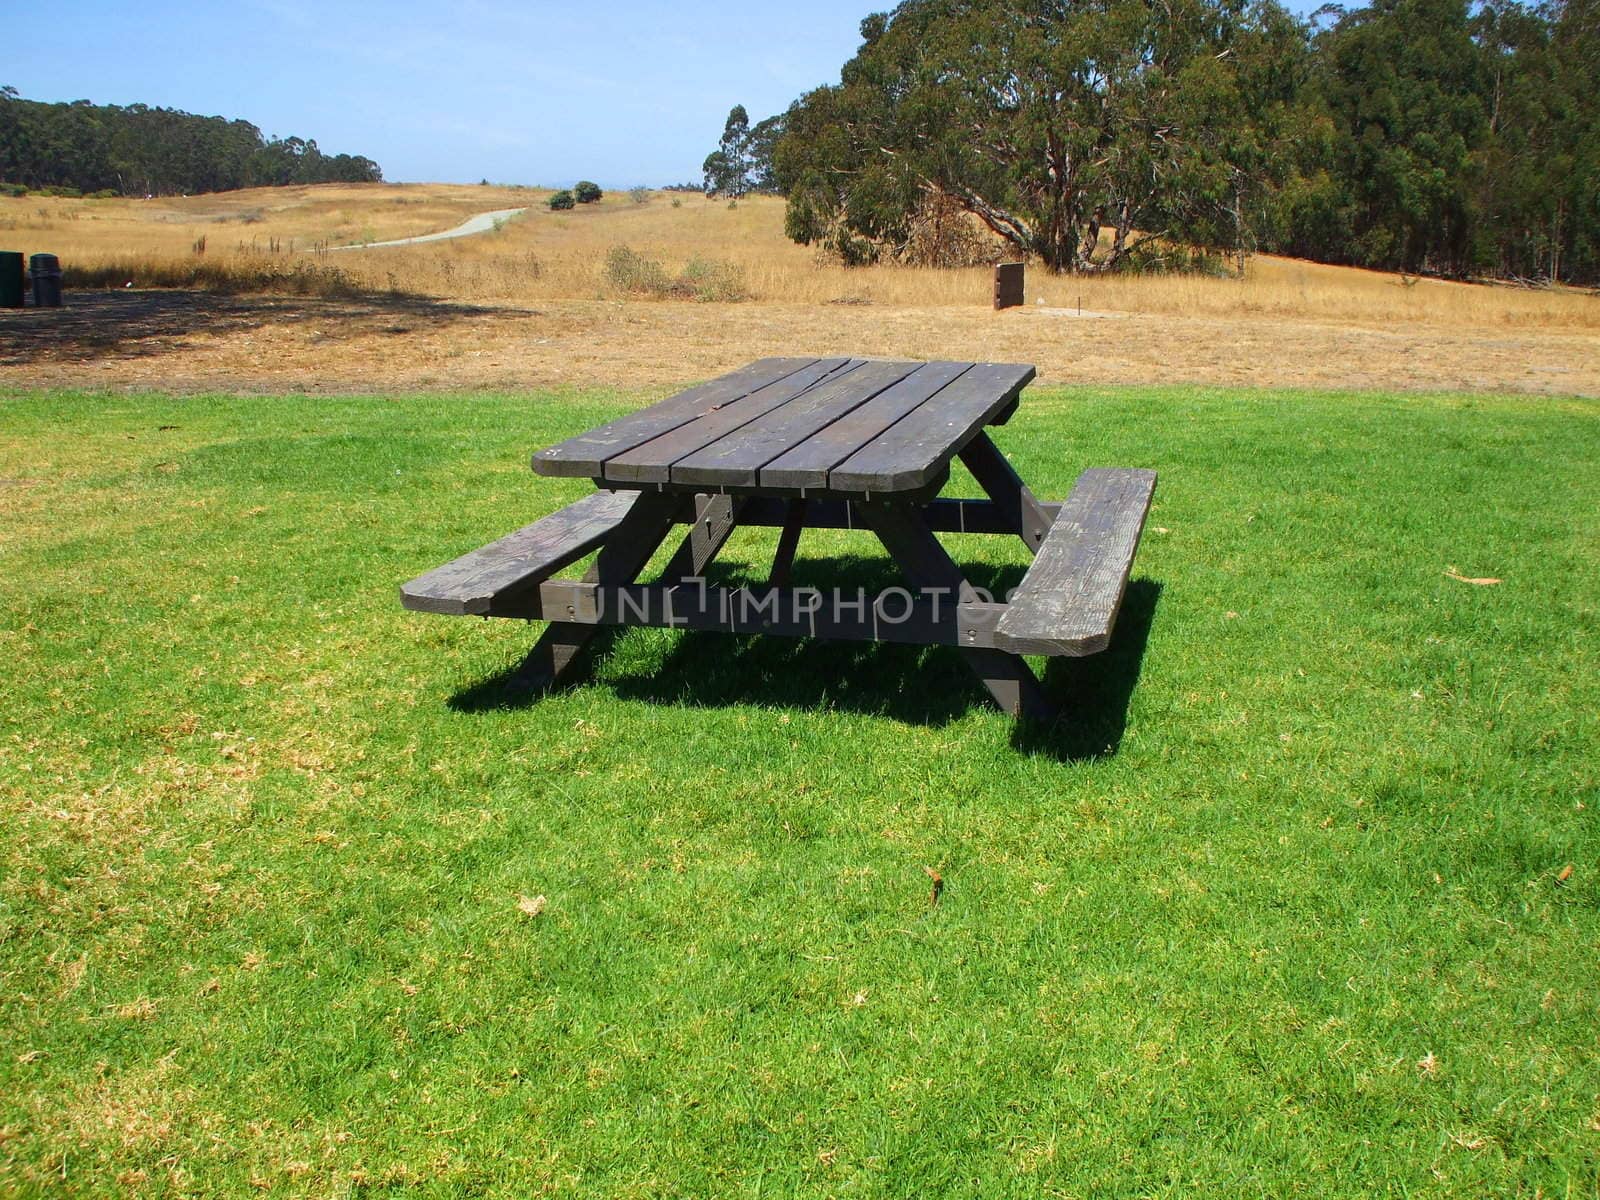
1452, 573
1565, 874
938, 886
531, 905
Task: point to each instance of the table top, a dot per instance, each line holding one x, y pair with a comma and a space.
799, 426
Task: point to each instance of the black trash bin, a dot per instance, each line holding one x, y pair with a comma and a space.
45, 271
10, 279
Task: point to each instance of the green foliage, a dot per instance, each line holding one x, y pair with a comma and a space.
726, 167
759, 146
136, 150
639, 195
585, 192
1441, 139
1403, 85
742, 161
562, 200
1419, 135
1050, 125
1278, 910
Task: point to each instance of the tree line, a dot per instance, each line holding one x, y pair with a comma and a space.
138, 150
1453, 137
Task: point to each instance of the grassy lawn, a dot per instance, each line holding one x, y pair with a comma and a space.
1282, 908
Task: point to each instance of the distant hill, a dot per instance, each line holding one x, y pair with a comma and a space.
138, 150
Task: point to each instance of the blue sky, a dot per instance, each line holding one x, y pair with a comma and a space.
621, 92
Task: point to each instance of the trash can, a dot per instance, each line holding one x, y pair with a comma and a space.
45, 271
10, 279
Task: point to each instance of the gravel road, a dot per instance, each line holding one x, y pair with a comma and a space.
482, 223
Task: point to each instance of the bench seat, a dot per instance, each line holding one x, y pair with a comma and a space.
1067, 602
476, 583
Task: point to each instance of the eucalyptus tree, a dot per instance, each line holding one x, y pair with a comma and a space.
1073, 129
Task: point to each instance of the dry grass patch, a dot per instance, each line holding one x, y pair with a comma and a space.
258, 235
595, 296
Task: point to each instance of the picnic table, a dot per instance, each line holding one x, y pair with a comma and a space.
819, 443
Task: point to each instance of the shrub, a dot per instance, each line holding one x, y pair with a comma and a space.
677, 203
562, 200
713, 279
639, 195
586, 192
701, 279
632, 272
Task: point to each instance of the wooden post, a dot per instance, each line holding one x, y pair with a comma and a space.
1007, 285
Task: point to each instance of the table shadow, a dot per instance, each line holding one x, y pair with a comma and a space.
920, 685
1094, 692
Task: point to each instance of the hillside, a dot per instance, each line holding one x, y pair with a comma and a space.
547, 309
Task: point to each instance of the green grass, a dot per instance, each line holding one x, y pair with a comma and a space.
1278, 910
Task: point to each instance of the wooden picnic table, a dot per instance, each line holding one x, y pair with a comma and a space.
822, 443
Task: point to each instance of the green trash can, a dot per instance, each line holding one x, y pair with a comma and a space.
10, 279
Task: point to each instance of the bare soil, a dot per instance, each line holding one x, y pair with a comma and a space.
198, 341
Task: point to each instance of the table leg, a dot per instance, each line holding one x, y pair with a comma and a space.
794, 521
626, 552
1029, 519
926, 564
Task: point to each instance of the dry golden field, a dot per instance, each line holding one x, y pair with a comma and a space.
531, 303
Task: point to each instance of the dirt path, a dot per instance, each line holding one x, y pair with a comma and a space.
482, 223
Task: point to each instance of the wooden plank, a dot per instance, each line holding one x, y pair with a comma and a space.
714, 520
894, 616
1008, 285
1067, 602
472, 583
735, 459
585, 454
944, 515
913, 451
807, 464
651, 462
